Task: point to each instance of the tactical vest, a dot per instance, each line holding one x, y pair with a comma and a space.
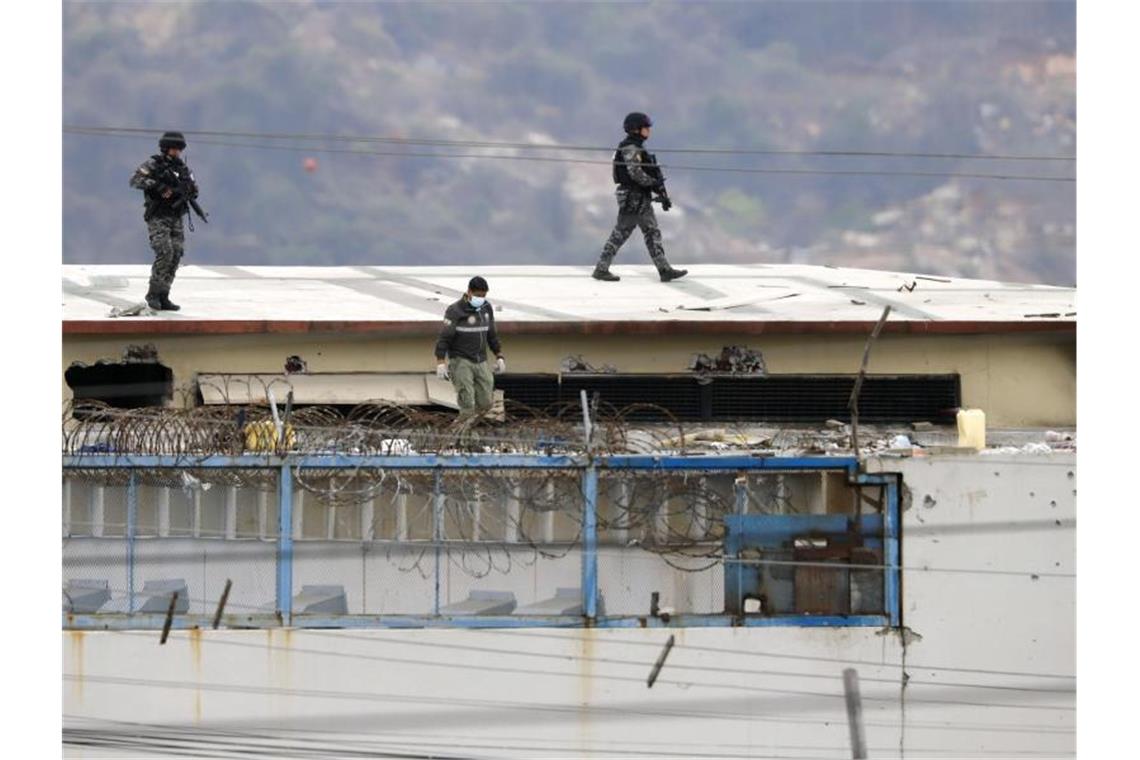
154, 205
621, 171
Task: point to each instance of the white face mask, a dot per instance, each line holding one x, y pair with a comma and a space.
477, 301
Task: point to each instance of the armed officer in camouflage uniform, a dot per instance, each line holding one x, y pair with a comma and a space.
461, 351
638, 178
169, 187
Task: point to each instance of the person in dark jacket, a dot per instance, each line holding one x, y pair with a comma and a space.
638, 178
165, 179
461, 351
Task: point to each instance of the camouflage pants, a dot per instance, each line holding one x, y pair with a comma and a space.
166, 238
474, 384
634, 210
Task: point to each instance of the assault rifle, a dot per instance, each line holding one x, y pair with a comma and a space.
184, 193
661, 195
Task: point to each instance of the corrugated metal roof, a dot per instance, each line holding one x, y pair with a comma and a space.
714, 297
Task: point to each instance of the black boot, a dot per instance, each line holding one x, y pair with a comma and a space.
672, 274
167, 304
604, 275
154, 300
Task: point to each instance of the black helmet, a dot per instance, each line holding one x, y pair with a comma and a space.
636, 121
172, 140
477, 285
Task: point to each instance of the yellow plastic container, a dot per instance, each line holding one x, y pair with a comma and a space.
262, 436
972, 428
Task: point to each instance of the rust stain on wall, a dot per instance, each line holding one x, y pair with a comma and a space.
196, 649
585, 685
77, 645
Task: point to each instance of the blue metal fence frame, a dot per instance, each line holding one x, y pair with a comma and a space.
591, 467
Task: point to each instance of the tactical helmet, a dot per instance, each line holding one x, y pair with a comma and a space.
171, 140
635, 121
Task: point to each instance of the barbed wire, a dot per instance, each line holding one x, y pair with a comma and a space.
369, 429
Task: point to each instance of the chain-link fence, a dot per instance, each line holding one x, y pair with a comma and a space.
466, 543
131, 539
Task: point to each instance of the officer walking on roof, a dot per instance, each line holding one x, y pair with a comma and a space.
638, 178
169, 188
461, 351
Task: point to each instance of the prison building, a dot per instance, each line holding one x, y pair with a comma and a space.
367, 334
720, 500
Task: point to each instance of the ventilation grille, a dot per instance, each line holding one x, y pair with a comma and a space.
778, 398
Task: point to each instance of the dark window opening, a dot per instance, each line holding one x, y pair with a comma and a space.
122, 385
771, 398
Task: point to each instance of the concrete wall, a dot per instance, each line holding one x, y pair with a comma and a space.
1020, 380
983, 668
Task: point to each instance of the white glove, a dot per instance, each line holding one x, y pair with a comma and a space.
500, 365
441, 371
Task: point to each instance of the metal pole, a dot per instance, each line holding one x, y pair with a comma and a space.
853, 401
132, 528
285, 544
590, 544
587, 426
660, 662
66, 506
854, 714
437, 532
740, 488
891, 594
222, 603
169, 618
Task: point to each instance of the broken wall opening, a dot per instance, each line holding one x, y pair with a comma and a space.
121, 385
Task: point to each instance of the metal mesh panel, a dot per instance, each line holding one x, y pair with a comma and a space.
475, 542
770, 398
205, 564
814, 398
531, 576
337, 564
628, 576
98, 560
398, 579
680, 395
186, 531
534, 391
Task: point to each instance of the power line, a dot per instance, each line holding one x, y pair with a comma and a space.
226, 728
608, 711
745, 653
903, 568
561, 146
671, 167
629, 679
345, 635
311, 741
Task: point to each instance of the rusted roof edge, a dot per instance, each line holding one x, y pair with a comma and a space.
129, 326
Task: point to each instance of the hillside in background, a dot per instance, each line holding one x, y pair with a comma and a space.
944, 77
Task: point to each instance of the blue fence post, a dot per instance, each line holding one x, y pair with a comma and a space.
740, 487
285, 544
891, 548
590, 543
132, 528
437, 531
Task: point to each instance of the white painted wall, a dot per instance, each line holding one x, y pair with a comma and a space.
990, 675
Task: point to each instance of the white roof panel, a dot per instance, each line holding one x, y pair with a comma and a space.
720, 293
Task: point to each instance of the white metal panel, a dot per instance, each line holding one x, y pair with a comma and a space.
318, 388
